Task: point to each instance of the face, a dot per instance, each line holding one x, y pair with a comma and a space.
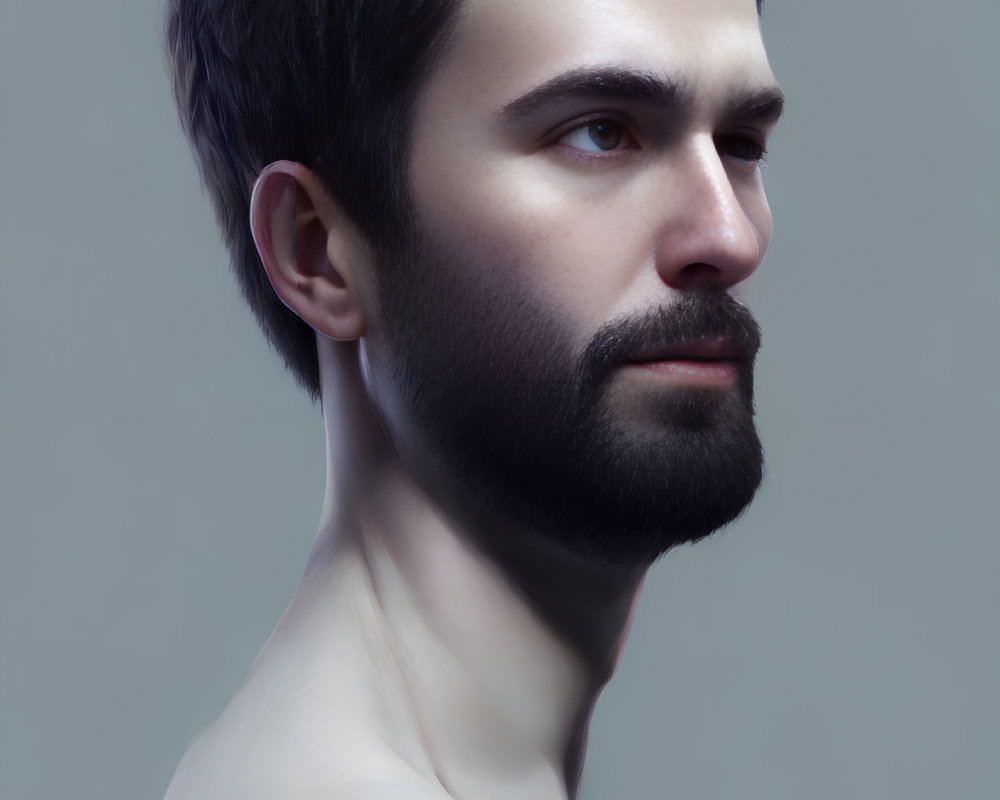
556, 346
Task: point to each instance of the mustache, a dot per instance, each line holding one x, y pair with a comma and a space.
695, 316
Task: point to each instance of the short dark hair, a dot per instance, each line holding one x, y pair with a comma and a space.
327, 83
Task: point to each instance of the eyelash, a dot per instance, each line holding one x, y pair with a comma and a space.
759, 156
628, 138
724, 143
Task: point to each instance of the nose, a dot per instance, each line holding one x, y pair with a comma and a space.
718, 223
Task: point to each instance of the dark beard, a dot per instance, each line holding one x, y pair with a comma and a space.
493, 412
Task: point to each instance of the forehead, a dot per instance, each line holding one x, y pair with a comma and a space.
501, 48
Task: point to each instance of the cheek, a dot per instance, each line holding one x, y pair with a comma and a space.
566, 245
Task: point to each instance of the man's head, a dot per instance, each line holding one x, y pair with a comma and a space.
330, 84
547, 333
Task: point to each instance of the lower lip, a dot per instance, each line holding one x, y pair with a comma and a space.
723, 372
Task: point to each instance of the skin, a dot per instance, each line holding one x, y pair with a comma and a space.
426, 656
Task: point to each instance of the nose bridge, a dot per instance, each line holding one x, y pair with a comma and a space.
722, 210
710, 238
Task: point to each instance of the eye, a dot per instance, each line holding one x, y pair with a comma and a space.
598, 136
742, 148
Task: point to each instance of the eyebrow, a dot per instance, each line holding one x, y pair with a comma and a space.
757, 105
611, 83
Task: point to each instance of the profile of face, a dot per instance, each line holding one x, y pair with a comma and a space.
556, 344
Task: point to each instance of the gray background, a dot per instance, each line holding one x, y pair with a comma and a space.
162, 477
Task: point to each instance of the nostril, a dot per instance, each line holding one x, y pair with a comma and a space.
698, 274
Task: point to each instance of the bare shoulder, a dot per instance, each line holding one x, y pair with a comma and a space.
384, 790
265, 767
238, 789
297, 730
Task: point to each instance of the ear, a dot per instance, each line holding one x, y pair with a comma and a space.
314, 256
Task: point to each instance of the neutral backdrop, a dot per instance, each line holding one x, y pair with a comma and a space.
162, 477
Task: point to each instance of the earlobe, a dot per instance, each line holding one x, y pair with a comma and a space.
310, 250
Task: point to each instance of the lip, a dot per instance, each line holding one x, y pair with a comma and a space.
702, 350
703, 363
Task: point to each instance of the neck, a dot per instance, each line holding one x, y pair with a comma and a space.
500, 642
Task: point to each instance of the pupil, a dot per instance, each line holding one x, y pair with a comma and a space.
605, 135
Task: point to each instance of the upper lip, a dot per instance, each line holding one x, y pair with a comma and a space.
720, 349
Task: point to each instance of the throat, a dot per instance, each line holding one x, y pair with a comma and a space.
500, 680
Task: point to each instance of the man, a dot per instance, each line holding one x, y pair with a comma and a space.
505, 233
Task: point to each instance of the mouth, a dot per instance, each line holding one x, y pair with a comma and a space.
704, 363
